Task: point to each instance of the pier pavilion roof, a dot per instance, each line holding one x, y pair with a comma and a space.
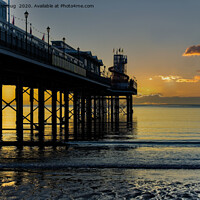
86, 54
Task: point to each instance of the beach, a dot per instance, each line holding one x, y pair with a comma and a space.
157, 159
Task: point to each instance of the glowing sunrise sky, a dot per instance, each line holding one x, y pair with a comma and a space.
153, 33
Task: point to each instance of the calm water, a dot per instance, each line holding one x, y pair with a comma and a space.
157, 159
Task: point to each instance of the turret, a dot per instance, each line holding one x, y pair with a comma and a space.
119, 77
120, 62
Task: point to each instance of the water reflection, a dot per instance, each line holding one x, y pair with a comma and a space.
123, 131
98, 130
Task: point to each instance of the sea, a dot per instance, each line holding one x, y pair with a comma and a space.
158, 157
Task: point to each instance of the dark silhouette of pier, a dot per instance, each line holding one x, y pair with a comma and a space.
73, 80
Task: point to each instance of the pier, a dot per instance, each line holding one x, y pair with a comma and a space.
82, 99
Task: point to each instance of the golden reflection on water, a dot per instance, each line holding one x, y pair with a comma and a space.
167, 122
9, 184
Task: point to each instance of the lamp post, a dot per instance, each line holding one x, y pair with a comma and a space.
9, 13
63, 46
78, 55
48, 31
26, 17
64, 40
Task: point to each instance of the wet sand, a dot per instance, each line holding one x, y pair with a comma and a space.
100, 184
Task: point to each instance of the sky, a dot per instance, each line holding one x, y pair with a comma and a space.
160, 37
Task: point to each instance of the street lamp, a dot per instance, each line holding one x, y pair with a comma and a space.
63, 47
9, 13
78, 55
48, 31
26, 17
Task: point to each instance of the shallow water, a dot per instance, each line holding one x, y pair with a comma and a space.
157, 159
100, 184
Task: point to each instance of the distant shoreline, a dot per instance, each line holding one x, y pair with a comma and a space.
167, 105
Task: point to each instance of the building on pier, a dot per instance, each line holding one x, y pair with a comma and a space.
71, 78
90, 62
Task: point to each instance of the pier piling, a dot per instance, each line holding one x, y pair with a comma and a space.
61, 113
75, 115
66, 99
83, 115
41, 114
54, 114
19, 112
1, 112
89, 115
31, 111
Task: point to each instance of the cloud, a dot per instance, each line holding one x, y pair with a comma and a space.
194, 80
178, 79
157, 99
192, 51
150, 95
187, 80
169, 78
197, 77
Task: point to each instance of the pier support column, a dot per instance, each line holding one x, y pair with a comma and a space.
19, 112
89, 116
131, 109
1, 120
61, 119
100, 116
83, 115
108, 109
106, 112
116, 112
41, 114
54, 113
31, 109
103, 114
79, 115
75, 115
95, 117
128, 108
111, 110
66, 99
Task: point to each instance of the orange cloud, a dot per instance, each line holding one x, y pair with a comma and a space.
178, 79
187, 80
197, 77
192, 51
169, 78
194, 80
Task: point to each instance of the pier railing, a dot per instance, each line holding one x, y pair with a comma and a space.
95, 77
14, 39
